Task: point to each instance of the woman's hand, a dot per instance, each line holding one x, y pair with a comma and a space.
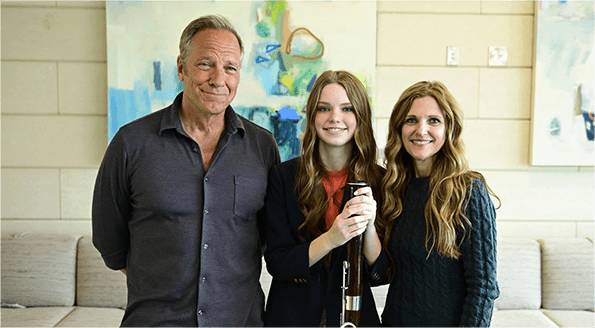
359, 214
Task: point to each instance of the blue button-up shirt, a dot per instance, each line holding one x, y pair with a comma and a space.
190, 239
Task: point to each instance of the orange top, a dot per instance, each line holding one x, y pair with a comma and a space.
332, 182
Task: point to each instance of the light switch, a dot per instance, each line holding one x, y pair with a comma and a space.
452, 56
498, 56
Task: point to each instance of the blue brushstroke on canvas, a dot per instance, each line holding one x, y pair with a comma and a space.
281, 64
125, 106
157, 75
272, 47
589, 128
284, 124
268, 78
261, 59
287, 135
311, 85
288, 113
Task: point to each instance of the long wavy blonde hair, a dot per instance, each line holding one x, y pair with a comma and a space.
313, 200
450, 177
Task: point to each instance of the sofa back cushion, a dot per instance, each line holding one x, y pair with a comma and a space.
97, 285
567, 273
519, 274
38, 269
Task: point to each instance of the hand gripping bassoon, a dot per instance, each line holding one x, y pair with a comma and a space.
353, 274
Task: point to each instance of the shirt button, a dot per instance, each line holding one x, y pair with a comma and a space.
201, 312
206, 179
206, 211
204, 279
205, 246
195, 150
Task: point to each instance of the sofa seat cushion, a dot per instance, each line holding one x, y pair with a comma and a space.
521, 318
38, 269
567, 273
519, 274
98, 285
565, 318
35, 316
93, 317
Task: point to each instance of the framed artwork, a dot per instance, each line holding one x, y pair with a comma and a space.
563, 103
287, 45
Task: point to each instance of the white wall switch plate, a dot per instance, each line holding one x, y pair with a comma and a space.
452, 56
498, 56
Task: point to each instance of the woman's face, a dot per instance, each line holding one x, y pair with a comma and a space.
424, 133
335, 119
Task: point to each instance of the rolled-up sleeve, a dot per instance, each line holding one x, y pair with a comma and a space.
111, 206
479, 259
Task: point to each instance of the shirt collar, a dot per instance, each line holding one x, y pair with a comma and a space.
171, 119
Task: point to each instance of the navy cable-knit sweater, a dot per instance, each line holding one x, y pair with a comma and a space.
436, 291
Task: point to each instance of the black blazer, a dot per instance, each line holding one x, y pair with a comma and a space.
299, 294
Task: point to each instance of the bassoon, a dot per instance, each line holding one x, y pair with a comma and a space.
353, 273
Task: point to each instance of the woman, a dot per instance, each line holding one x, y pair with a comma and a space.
438, 215
308, 219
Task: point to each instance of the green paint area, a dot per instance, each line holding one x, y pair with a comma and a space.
263, 29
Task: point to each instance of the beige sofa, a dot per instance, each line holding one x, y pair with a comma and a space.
543, 283
59, 280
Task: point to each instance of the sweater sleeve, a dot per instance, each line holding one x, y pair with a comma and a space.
479, 259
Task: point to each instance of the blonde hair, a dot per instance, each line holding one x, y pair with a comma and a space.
450, 178
313, 200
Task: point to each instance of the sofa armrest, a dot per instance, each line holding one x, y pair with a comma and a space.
98, 285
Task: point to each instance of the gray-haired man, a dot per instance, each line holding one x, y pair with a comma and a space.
178, 201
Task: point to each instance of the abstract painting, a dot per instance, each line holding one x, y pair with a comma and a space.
287, 45
563, 108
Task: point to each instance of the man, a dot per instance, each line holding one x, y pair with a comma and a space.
178, 201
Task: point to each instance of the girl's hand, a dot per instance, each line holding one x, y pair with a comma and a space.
366, 199
358, 214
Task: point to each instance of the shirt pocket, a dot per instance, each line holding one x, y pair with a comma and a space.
248, 196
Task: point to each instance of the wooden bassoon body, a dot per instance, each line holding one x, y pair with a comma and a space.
353, 273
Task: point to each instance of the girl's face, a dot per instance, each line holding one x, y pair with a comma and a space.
335, 119
424, 133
